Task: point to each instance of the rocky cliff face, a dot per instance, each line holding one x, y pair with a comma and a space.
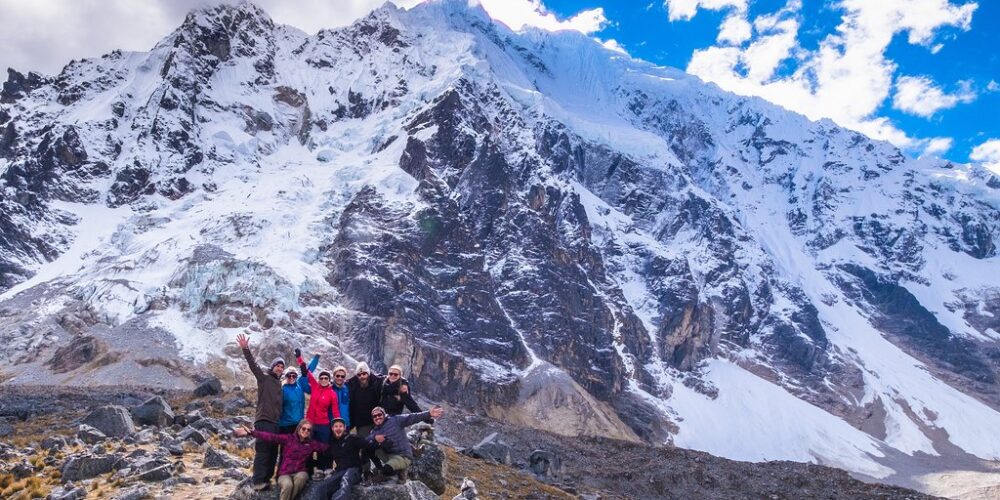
534, 226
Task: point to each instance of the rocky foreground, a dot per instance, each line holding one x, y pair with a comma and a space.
65, 444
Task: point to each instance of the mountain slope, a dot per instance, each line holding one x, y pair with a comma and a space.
533, 225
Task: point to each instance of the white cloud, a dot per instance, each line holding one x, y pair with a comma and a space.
44, 35
613, 44
520, 13
937, 146
919, 96
680, 10
735, 29
846, 79
988, 153
993, 86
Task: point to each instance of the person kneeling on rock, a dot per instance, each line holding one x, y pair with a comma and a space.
296, 449
388, 437
345, 451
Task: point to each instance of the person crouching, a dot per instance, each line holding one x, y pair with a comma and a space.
388, 437
296, 449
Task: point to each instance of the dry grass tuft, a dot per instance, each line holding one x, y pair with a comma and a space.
487, 476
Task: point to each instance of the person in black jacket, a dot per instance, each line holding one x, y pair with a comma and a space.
345, 451
365, 389
396, 393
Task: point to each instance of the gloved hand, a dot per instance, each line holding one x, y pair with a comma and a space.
298, 352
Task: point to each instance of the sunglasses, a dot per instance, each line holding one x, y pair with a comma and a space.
306, 428
340, 376
291, 375
324, 377
393, 374
378, 415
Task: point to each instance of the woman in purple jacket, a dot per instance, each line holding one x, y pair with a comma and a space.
296, 449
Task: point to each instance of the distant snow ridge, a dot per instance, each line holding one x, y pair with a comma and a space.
531, 223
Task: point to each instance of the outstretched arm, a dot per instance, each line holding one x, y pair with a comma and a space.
244, 343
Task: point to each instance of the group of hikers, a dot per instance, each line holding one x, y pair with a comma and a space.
349, 428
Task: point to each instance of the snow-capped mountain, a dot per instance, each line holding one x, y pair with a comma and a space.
530, 223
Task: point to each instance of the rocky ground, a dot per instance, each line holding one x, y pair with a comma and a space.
66, 444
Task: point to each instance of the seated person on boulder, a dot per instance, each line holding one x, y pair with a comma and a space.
296, 449
396, 393
269, 406
388, 437
344, 451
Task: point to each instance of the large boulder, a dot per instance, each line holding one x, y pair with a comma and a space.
79, 467
545, 464
428, 467
492, 448
112, 421
191, 434
154, 411
90, 435
208, 387
215, 459
412, 490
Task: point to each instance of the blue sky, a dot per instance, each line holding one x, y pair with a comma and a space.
958, 58
922, 74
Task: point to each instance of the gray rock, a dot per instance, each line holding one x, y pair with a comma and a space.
135, 493
80, 467
492, 448
174, 448
154, 411
467, 490
216, 459
191, 434
428, 467
53, 443
209, 387
235, 474
545, 464
236, 404
160, 473
412, 490
210, 424
90, 435
67, 492
112, 420
22, 470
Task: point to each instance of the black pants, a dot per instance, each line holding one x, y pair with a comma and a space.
339, 485
265, 454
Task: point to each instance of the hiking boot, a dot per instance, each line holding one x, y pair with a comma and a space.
401, 476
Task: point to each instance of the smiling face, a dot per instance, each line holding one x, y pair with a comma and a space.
339, 377
394, 375
278, 369
378, 417
339, 429
291, 378
324, 380
304, 431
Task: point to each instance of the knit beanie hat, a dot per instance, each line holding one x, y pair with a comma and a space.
277, 361
324, 373
362, 367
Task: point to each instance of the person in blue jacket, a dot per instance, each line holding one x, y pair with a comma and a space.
293, 402
343, 394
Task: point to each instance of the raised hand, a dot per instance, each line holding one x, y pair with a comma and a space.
437, 411
379, 438
243, 341
298, 353
241, 431
403, 389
